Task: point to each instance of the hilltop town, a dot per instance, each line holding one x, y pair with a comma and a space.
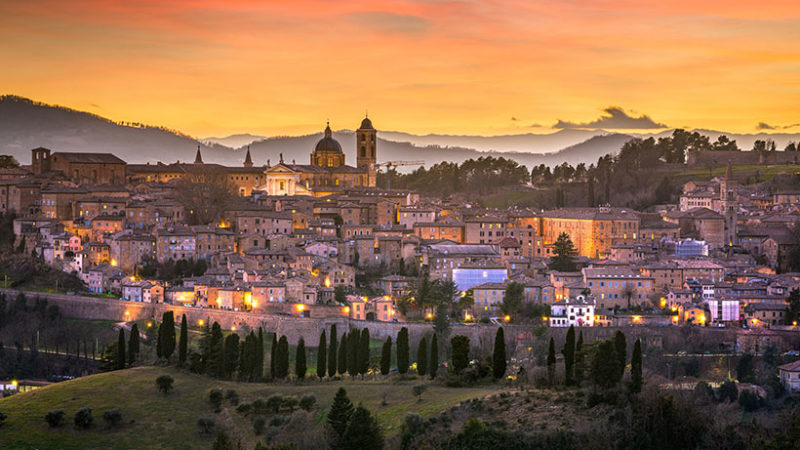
322, 240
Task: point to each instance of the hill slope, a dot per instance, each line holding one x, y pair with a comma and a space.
154, 420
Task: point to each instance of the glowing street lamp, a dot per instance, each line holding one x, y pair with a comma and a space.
201, 322
507, 318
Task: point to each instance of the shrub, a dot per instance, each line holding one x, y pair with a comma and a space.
290, 402
728, 391
278, 420
259, 425
206, 424
308, 401
749, 400
164, 383
418, 390
3, 417
83, 418
413, 423
215, 397
232, 396
54, 418
244, 408
262, 407
274, 402
112, 417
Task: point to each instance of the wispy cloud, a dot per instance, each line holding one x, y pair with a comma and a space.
391, 23
614, 118
765, 126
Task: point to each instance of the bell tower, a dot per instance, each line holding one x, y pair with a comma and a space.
729, 206
366, 146
40, 160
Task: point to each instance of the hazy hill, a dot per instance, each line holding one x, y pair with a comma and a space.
528, 142
234, 140
25, 124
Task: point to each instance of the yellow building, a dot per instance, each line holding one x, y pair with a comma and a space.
593, 231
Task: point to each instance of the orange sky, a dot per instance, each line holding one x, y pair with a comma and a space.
470, 66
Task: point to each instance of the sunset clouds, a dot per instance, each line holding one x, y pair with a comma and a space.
211, 67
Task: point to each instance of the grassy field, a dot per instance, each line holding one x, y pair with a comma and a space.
739, 172
154, 420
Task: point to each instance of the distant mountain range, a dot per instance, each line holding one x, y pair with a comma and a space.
26, 124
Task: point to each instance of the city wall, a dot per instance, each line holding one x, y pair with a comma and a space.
671, 339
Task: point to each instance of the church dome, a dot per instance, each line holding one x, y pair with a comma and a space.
366, 124
328, 143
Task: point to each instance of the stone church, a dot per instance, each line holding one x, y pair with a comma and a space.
327, 171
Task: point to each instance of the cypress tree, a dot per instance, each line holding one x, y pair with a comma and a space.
580, 360
322, 355
258, 355
273, 357
332, 352
183, 345
386, 356
402, 351
231, 355
216, 362
340, 412
605, 365
422, 357
246, 350
433, 367
459, 347
569, 356
621, 347
579, 345
300, 360
159, 341
636, 367
168, 344
119, 361
363, 352
353, 341
499, 355
551, 360
342, 363
133, 344
283, 357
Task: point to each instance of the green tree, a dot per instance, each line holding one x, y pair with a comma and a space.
332, 352
433, 366
422, 357
342, 358
362, 431
551, 361
216, 358
164, 383
363, 352
300, 360
664, 191
745, 371
340, 412
564, 252
273, 356
259, 356
353, 346
133, 344
499, 355
340, 294
183, 345
402, 351
793, 314
636, 367
441, 321
322, 355
8, 162
231, 355
580, 360
605, 365
569, 357
167, 334
282, 370
621, 347
386, 356
224, 442
119, 362
513, 298
459, 346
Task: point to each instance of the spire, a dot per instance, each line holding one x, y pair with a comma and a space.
248, 162
198, 159
328, 130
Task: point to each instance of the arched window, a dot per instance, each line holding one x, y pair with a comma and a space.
363, 151
336, 181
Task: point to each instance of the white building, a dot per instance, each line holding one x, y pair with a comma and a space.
790, 376
579, 313
723, 310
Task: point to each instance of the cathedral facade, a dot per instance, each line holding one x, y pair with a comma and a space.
327, 170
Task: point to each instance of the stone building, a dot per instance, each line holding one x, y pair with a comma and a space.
80, 168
